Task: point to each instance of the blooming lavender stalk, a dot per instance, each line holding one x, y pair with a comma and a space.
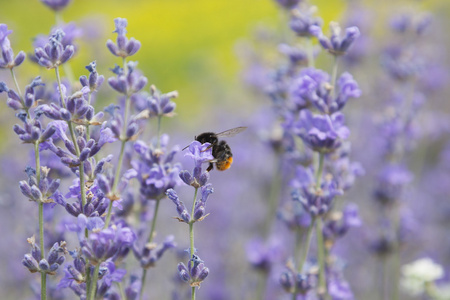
128, 81
196, 271
38, 188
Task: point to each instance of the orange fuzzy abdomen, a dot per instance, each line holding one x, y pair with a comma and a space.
225, 164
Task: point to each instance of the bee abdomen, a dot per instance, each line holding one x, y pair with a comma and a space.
224, 164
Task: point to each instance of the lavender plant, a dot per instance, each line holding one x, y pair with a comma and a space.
99, 176
196, 271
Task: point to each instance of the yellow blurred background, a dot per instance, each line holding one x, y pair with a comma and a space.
187, 45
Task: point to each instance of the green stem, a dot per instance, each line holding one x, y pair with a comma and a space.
41, 222
193, 290
319, 171
334, 76
41, 245
16, 83
88, 132
144, 274
121, 291
150, 239
93, 289
307, 245
119, 163
310, 53
158, 143
58, 18
321, 257
74, 140
191, 238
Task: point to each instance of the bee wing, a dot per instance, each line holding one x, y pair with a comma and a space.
231, 132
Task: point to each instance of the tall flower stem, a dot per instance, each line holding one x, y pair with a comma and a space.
319, 170
120, 162
319, 225
13, 75
310, 49
307, 245
92, 291
191, 238
305, 251
150, 239
321, 256
158, 143
41, 205
41, 223
334, 75
74, 140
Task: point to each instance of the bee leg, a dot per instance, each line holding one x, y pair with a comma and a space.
210, 167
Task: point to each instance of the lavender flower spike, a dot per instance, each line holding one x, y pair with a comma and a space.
123, 46
336, 44
7, 60
53, 53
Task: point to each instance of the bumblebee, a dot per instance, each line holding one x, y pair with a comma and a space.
221, 151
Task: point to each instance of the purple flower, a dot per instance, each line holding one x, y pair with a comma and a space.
195, 273
417, 23
288, 4
155, 168
296, 56
54, 53
130, 83
55, 258
151, 253
56, 5
94, 81
317, 201
7, 60
322, 133
160, 104
303, 22
292, 282
182, 211
45, 191
337, 44
262, 255
339, 223
308, 87
391, 182
105, 244
200, 153
123, 47
401, 64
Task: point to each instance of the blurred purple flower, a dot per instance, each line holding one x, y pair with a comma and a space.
322, 133
123, 47
7, 60
56, 5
